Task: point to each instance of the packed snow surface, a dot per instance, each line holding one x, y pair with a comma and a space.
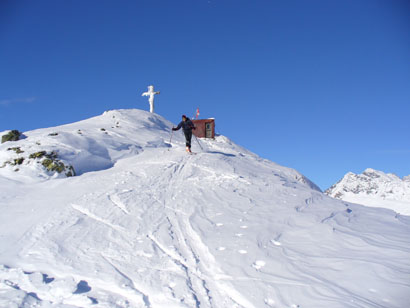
143, 224
374, 188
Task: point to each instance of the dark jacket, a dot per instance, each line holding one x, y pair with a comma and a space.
187, 126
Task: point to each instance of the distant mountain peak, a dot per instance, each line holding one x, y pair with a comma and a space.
374, 188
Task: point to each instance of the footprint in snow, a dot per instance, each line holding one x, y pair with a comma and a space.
259, 264
244, 227
56, 288
239, 234
269, 302
276, 243
242, 252
82, 287
219, 224
221, 248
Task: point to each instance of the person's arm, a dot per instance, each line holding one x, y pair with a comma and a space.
178, 127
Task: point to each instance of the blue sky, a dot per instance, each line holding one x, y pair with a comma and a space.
319, 86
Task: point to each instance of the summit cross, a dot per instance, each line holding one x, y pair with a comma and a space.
151, 94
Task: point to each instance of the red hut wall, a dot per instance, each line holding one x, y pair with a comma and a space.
204, 128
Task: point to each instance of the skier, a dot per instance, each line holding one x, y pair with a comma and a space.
187, 127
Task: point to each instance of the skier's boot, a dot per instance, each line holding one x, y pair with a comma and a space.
188, 149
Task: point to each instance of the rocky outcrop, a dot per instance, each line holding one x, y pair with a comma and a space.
48, 160
12, 135
51, 162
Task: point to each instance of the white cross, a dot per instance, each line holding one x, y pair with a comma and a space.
151, 94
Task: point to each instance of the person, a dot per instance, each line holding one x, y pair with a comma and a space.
187, 127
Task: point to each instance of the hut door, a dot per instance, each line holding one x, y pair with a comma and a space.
208, 130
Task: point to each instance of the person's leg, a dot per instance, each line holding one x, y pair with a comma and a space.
188, 137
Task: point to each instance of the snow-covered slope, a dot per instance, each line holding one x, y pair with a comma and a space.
374, 188
155, 227
90, 145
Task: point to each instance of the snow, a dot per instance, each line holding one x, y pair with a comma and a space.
145, 225
374, 188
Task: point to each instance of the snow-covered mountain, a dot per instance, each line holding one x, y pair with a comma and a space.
143, 224
374, 188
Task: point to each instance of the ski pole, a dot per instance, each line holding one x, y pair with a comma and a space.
172, 131
198, 143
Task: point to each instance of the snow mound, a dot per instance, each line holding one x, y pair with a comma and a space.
160, 228
90, 145
374, 188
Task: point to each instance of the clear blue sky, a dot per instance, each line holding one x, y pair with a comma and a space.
319, 86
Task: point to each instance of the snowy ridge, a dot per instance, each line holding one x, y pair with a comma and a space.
223, 228
374, 188
90, 145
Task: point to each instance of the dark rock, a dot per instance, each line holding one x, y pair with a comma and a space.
18, 161
16, 149
38, 154
12, 135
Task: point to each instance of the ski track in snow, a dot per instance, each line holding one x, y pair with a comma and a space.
117, 201
87, 213
196, 251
